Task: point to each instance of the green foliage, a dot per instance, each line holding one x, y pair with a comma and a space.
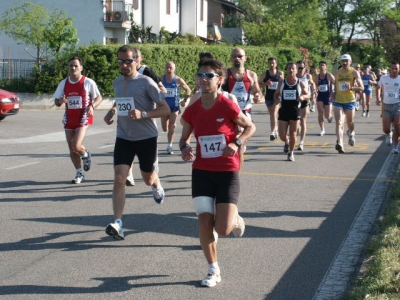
367, 54
100, 62
380, 279
34, 25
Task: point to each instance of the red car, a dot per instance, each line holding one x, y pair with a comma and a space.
9, 104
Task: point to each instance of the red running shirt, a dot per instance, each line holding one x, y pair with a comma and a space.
214, 128
77, 106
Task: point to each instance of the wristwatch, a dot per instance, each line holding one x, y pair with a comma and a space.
238, 142
144, 114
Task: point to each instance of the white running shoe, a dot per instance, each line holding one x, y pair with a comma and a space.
357, 105
215, 234
389, 138
367, 115
322, 133
78, 178
130, 181
395, 150
170, 150
213, 277
87, 161
301, 146
290, 156
115, 230
238, 229
158, 194
363, 114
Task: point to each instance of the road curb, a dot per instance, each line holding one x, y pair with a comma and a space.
337, 278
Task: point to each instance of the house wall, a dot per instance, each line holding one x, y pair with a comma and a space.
157, 17
192, 12
89, 25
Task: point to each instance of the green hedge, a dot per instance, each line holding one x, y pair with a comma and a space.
100, 62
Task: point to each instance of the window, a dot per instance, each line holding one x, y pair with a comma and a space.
168, 7
177, 6
201, 10
135, 4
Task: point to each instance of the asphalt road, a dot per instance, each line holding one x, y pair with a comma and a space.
298, 215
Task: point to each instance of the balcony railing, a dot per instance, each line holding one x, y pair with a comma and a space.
117, 11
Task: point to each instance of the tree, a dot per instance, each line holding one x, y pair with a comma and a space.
33, 25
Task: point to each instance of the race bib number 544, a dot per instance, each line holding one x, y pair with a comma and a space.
124, 105
212, 145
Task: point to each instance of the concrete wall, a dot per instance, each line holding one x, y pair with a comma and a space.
46, 101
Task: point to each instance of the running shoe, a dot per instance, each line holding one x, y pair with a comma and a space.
130, 181
339, 148
290, 156
322, 132
286, 148
367, 115
352, 140
357, 105
87, 161
395, 150
272, 136
330, 120
389, 138
312, 109
215, 234
115, 230
78, 178
301, 146
158, 194
213, 277
238, 229
170, 150
363, 114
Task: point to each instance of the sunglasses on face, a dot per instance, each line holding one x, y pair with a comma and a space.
300, 68
237, 56
127, 61
208, 75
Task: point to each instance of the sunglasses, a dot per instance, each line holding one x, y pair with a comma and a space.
208, 75
300, 68
127, 61
237, 56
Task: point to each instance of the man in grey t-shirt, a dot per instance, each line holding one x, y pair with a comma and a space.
137, 131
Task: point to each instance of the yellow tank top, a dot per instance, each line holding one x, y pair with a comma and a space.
344, 95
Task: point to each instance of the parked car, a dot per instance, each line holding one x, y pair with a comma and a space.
9, 104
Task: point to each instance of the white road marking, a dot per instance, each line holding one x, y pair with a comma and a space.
334, 283
106, 146
50, 137
24, 165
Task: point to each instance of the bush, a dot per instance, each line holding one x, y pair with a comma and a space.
100, 62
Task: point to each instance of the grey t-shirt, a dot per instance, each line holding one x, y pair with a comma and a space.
145, 95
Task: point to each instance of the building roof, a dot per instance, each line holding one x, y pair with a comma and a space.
232, 4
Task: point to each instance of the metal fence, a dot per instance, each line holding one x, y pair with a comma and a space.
16, 68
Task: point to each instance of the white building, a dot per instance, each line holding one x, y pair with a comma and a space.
105, 21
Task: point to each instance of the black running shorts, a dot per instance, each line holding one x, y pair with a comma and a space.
146, 151
223, 186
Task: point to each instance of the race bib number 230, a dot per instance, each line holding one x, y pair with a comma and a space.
124, 105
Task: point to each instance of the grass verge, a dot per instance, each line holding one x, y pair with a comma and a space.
380, 275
